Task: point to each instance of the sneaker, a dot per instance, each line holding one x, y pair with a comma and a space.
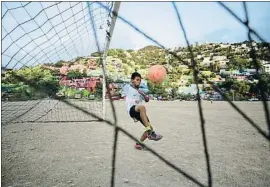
154, 136
139, 146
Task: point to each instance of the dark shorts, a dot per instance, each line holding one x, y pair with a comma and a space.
135, 115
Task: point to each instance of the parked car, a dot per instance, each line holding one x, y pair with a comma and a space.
115, 98
253, 99
91, 97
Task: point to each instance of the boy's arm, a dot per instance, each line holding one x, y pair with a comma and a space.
146, 98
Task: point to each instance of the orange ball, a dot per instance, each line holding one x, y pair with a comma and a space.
157, 74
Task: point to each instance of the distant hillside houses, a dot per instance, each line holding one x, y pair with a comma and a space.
219, 60
266, 68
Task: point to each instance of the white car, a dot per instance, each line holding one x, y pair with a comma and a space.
253, 99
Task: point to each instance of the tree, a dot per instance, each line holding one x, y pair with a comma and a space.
112, 52
98, 61
96, 54
262, 86
124, 61
85, 93
158, 89
33, 81
239, 89
59, 63
49, 87
173, 93
98, 92
76, 74
191, 81
239, 63
213, 75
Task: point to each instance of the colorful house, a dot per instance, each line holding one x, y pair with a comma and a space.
85, 83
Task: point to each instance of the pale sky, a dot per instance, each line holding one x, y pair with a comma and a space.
204, 22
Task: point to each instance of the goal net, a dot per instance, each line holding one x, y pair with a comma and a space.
49, 52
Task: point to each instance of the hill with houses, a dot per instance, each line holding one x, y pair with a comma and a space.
220, 63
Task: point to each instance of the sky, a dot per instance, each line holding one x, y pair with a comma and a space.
203, 21
45, 32
43, 41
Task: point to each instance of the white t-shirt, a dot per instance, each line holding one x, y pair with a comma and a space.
132, 97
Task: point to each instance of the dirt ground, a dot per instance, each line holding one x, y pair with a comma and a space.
80, 153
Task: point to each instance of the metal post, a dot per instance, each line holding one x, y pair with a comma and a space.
108, 41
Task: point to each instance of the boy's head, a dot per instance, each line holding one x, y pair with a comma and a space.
136, 79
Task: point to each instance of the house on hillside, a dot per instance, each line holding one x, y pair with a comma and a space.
64, 69
227, 73
266, 68
224, 46
239, 77
218, 79
199, 57
250, 71
95, 73
92, 65
115, 63
77, 66
89, 84
192, 89
219, 58
184, 80
206, 61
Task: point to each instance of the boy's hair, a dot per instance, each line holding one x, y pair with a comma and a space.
135, 74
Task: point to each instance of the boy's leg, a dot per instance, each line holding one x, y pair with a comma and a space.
148, 128
144, 119
140, 144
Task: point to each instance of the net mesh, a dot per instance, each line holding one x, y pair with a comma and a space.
9, 108
44, 33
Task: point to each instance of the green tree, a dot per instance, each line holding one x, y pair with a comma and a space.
85, 93
49, 87
239, 63
76, 74
59, 63
96, 54
98, 92
98, 61
262, 86
34, 82
213, 75
173, 93
112, 52
158, 89
70, 92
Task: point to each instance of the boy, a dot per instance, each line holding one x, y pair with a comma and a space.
137, 111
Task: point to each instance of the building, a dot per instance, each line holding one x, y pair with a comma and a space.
192, 89
206, 61
266, 68
92, 64
77, 66
84, 83
219, 58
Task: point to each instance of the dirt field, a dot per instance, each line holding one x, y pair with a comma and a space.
79, 154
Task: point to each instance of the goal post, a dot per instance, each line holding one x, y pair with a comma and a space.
107, 45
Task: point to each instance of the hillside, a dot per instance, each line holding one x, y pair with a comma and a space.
229, 66
210, 57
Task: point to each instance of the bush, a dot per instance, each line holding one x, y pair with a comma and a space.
85, 93
70, 92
